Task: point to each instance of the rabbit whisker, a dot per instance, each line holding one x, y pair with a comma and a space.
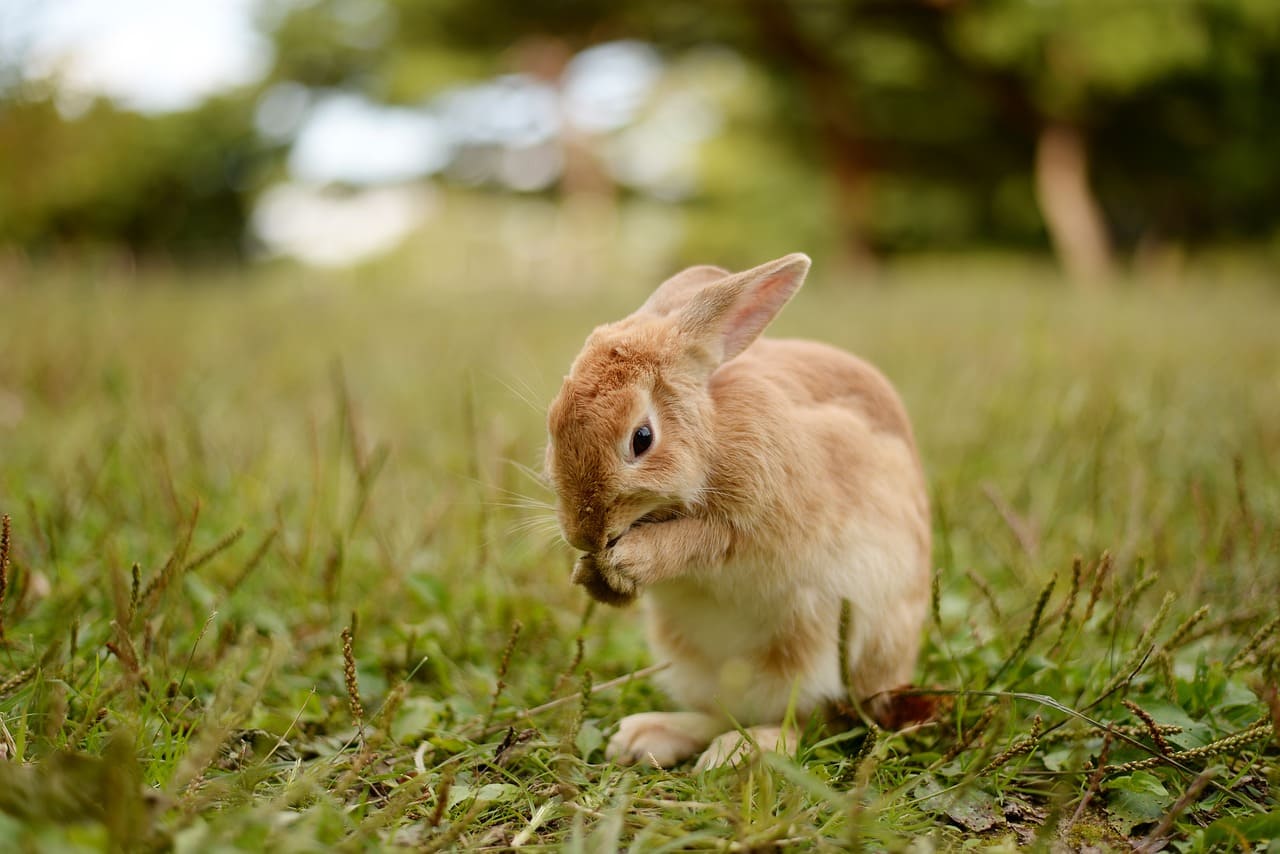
537, 476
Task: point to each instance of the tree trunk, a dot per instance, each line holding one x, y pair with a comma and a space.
1071, 213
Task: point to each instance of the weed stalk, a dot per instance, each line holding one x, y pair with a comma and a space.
1028, 637
501, 684
353, 685
4, 568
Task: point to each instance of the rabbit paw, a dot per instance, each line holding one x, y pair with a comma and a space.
604, 581
660, 739
735, 748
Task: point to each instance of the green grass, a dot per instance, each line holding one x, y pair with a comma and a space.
283, 455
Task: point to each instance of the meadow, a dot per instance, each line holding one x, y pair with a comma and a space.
281, 573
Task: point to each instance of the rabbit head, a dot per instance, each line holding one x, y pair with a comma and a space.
631, 437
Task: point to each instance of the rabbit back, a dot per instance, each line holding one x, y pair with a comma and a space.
819, 475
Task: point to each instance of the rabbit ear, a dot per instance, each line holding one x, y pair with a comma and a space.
725, 317
674, 294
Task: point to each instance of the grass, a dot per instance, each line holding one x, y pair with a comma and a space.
279, 577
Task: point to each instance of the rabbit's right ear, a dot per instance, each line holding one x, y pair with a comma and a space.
675, 293
722, 319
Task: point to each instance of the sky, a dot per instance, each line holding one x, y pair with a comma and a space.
163, 55
149, 55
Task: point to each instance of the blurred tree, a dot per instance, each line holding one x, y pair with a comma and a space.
1191, 156
909, 134
178, 182
878, 125
902, 132
1077, 73
850, 86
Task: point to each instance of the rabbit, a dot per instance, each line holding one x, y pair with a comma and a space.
743, 488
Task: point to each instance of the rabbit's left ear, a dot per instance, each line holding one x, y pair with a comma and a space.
724, 318
675, 293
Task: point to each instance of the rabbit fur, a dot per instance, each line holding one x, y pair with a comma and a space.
782, 479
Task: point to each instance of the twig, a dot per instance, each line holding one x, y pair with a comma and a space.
1156, 838
1095, 780
4, 567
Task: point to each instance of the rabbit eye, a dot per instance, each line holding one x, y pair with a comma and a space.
641, 439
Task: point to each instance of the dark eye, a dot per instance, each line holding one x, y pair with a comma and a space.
641, 439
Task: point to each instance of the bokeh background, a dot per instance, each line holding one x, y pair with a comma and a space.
1111, 137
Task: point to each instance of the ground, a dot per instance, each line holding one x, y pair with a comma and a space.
281, 572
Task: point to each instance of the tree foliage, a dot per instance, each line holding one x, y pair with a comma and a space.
883, 125
176, 183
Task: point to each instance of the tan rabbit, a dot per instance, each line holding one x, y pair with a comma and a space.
746, 486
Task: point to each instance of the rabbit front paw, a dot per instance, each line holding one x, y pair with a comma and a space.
605, 579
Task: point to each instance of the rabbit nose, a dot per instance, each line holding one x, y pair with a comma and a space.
579, 542
584, 537
589, 532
